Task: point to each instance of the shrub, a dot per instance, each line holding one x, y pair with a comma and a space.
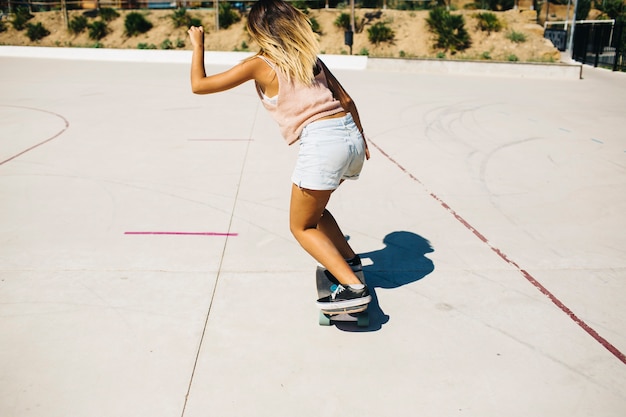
380, 32
301, 5
108, 14
98, 30
22, 15
449, 30
3, 27
512, 58
343, 21
182, 19
486, 55
36, 32
77, 25
136, 24
315, 26
228, 16
516, 37
146, 46
167, 44
488, 22
582, 9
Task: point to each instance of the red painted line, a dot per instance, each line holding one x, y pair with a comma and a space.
67, 125
183, 233
607, 345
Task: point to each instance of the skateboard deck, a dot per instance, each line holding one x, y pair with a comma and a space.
325, 287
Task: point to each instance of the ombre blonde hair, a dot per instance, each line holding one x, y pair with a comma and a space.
285, 37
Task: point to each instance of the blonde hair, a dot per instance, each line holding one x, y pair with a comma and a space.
285, 36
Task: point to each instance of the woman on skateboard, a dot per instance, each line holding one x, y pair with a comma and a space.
309, 105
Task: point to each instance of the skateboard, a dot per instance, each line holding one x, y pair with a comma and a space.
356, 314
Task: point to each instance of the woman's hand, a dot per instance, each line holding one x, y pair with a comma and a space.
196, 35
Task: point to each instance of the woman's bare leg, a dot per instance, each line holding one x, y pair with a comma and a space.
328, 225
321, 238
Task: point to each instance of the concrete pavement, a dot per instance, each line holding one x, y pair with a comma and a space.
147, 269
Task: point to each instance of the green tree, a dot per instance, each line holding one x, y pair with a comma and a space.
582, 9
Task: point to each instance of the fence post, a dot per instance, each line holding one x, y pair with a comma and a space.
66, 17
570, 46
217, 15
617, 35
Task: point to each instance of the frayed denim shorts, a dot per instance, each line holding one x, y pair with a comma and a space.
331, 150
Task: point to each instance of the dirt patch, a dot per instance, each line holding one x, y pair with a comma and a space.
412, 38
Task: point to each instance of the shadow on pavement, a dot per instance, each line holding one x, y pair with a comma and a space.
402, 261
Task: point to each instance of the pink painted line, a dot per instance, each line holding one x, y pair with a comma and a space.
221, 140
67, 125
183, 233
607, 345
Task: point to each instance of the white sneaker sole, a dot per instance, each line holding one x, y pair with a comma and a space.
338, 305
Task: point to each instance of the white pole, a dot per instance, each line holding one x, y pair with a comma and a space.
570, 46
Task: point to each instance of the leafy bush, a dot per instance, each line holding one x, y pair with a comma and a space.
146, 46
98, 30
583, 7
449, 29
488, 22
182, 19
36, 32
380, 32
516, 37
136, 24
22, 16
77, 25
167, 44
228, 16
108, 14
315, 26
513, 58
242, 48
614, 9
343, 21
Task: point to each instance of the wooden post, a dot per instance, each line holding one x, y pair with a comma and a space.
217, 15
66, 17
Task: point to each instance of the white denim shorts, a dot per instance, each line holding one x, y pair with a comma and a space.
331, 150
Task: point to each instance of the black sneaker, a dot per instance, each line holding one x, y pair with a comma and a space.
344, 297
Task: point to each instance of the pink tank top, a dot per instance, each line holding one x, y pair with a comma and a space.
296, 105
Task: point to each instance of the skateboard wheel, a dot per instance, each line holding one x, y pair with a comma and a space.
324, 320
363, 320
